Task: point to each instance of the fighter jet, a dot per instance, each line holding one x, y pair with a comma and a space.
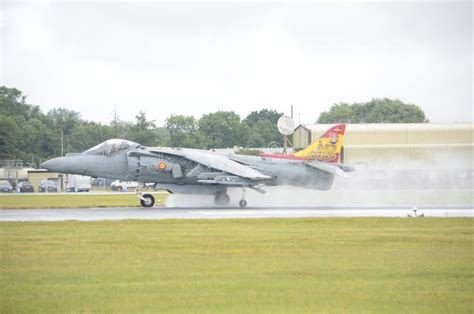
194, 171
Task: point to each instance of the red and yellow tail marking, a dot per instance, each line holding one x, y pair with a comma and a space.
327, 148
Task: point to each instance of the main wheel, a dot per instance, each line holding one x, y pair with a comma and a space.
221, 199
148, 201
243, 203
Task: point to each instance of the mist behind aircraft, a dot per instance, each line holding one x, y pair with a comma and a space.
439, 179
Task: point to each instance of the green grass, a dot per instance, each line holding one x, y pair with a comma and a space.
239, 266
52, 200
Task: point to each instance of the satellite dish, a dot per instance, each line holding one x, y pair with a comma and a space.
286, 125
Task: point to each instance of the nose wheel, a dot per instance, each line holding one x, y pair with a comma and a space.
146, 200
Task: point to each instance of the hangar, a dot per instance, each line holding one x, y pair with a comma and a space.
390, 142
403, 156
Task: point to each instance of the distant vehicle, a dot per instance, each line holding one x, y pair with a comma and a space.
25, 186
119, 185
78, 183
5, 186
47, 186
101, 182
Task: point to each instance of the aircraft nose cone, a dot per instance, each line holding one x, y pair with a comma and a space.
55, 165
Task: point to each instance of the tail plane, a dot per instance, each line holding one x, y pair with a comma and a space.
326, 148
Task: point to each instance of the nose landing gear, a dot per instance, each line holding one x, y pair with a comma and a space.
146, 200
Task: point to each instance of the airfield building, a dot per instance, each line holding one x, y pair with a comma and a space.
403, 156
387, 143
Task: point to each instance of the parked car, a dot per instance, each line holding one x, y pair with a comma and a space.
5, 186
101, 182
48, 186
25, 186
119, 185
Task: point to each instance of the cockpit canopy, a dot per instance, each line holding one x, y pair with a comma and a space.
111, 147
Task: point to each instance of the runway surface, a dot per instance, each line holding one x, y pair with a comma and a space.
97, 214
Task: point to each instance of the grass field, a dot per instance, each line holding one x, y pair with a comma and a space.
239, 266
72, 200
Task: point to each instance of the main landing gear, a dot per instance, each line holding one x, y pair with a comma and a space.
222, 198
147, 200
243, 202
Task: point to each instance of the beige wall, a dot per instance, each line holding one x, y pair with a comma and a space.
392, 143
412, 156
410, 134
21, 173
35, 177
301, 137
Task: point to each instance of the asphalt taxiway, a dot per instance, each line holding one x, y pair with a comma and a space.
157, 213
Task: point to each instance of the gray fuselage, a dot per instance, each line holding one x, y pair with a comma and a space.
180, 174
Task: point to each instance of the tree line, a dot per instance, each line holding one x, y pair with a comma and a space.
377, 110
28, 134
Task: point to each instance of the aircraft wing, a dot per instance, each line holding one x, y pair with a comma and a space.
215, 161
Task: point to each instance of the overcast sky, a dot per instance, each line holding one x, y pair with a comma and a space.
199, 57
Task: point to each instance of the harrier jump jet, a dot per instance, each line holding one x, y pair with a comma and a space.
193, 171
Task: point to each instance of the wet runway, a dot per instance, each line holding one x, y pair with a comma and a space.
97, 214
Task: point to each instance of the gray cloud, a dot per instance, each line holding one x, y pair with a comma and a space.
195, 58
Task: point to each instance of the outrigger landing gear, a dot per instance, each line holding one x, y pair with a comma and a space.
243, 202
147, 200
221, 198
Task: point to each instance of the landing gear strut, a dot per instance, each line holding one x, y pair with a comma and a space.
221, 198
147, 200
243, 202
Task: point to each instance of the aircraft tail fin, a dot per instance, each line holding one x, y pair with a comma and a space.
326, 148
